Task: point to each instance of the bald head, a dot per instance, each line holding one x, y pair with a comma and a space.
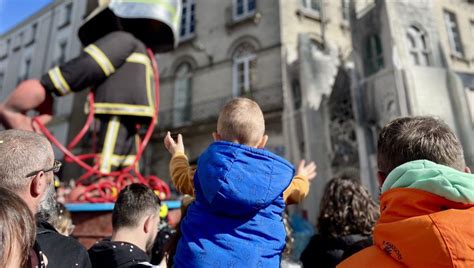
21, 153
241, 120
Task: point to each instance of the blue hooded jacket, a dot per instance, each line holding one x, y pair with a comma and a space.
236, 219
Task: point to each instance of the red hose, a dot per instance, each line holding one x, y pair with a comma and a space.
106, 190
89, 121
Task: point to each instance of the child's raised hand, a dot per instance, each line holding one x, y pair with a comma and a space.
174, 146
308, 171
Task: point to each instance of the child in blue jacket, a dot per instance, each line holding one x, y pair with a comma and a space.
240, 191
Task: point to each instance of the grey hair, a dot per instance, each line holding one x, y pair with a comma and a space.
21, 153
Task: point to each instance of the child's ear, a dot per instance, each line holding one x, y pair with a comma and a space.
467, 170
216, 136
263, 142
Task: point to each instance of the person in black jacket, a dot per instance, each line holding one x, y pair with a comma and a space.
135, 220
26, 168
345, 223
61, 251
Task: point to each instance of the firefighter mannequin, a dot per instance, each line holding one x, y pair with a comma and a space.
115, 64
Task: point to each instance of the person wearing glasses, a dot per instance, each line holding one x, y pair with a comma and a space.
27, 168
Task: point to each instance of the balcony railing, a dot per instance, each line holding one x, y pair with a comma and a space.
269, 98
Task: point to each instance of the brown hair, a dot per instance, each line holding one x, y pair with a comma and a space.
17, 227
414, 138
241, 120
134, 202
346, 208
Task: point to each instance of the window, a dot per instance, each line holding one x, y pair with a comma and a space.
31, 34
345, 10
34, 28
9, 41
2, 76
17, 41
296, 90
66, 16
453, 33
311, 6
183, 94
187, 20
62, 52
27, 69
4, 46
244, 70
373, 55
418, 46
244, 9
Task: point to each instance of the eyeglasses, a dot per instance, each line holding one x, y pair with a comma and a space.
55, 169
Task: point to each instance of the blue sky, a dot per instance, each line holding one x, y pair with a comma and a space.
13, 12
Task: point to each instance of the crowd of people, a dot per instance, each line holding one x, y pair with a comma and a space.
236, 197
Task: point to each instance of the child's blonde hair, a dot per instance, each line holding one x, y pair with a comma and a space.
241, 120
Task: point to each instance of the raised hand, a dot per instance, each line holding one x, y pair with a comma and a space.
308, 171
174, 146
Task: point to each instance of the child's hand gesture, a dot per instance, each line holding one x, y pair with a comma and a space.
308, 171
172, 146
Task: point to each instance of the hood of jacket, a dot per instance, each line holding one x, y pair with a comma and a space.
437, 179
238, 179
427, 216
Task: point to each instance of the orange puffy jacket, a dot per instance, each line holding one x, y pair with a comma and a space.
416, 229
420, 229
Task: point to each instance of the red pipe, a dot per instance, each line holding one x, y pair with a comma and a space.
89, 121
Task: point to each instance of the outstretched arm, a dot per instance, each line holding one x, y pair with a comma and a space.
182, 174
28, 95
299, 186
97, 62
